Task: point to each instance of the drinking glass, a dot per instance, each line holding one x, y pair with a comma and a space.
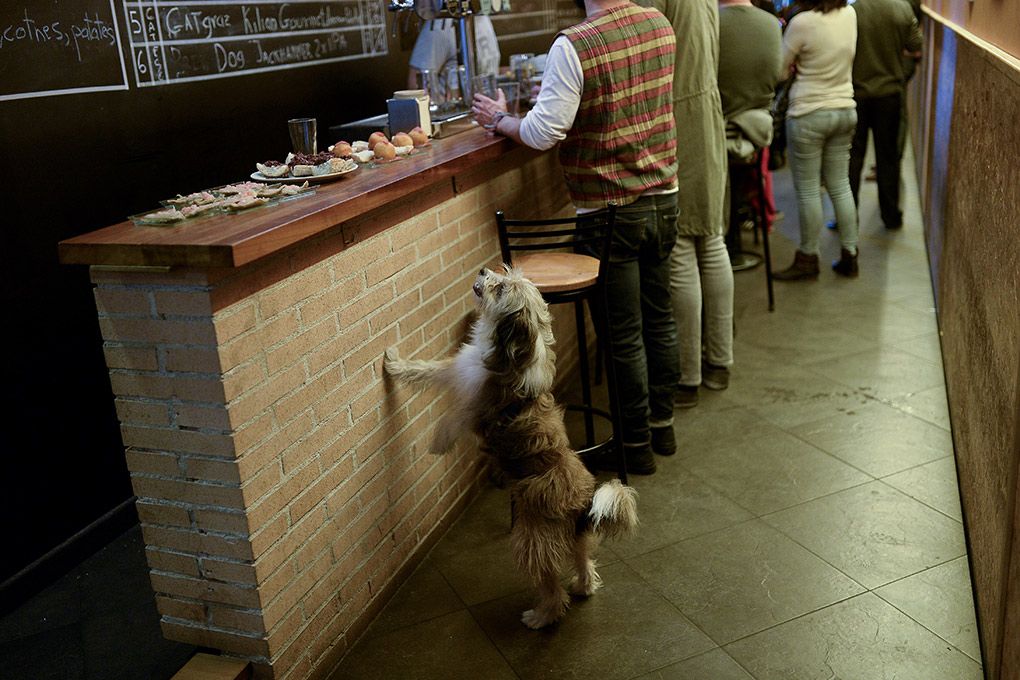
454, 77
303, 135
522, 66
512, 93
484, 84
428, 80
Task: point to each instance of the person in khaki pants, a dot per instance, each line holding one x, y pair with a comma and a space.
701, 275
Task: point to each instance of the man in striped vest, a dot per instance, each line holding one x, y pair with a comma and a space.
606, 98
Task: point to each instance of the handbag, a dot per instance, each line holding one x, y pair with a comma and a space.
778, 108
780, 104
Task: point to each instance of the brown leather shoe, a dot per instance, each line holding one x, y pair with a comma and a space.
804, 267
846, 265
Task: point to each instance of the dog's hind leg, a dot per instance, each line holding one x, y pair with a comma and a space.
586, 580
552, 602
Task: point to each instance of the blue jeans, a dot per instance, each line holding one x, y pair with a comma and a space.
644, 337
819, 145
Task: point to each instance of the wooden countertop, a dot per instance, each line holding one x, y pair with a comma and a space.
232, 240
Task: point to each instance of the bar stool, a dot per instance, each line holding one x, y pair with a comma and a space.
744, 259
553, 258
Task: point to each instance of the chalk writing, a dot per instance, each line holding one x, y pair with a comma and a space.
59, 48
203, 39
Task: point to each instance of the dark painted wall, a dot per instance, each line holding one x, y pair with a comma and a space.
76, 163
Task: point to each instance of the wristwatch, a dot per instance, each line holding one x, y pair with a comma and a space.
496, 117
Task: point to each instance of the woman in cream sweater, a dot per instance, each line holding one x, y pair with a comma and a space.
819, 45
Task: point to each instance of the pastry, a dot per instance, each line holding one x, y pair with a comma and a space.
273, 169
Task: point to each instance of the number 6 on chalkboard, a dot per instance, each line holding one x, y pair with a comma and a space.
140, 66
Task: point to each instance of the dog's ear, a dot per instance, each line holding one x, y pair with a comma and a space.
513, 344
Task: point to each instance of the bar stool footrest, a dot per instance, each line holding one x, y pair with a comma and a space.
597, 448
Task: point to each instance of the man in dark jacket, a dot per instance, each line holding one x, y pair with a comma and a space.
886, 31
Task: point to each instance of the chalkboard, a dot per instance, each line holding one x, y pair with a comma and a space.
75, 46
532, 18
206, 39
59, 48
80, 46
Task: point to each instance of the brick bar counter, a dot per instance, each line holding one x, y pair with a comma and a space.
284, 488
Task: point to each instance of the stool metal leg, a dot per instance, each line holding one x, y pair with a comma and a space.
614, 402
582, 356
764, 222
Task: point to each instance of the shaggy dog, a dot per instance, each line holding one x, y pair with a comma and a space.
501, 381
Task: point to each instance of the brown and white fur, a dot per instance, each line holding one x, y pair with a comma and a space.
501, 381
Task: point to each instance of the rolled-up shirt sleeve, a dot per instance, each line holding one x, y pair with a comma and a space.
553, 115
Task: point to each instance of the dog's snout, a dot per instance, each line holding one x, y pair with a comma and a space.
481, 272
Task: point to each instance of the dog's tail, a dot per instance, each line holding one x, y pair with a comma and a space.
613, 509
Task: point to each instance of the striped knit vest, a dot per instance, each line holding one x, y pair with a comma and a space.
623, 140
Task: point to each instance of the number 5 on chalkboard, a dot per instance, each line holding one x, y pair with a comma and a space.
136, 23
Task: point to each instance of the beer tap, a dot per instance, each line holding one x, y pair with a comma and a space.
397, 6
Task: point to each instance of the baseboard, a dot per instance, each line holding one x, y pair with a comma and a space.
44, 571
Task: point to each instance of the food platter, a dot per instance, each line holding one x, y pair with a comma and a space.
227, 199
312, 179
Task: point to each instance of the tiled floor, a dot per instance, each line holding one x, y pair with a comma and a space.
98, 622
809, 526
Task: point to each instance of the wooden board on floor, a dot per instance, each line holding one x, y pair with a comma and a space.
211, 667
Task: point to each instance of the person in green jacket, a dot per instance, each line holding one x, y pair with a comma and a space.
701, 276
886, 31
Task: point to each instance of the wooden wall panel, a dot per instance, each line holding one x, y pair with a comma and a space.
993, 20
972, 208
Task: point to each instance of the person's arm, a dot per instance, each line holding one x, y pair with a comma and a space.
914, 41
554, 111
781, 73
792, 44
556, 107
508, 126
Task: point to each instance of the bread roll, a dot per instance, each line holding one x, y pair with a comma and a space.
419, 137
385, 151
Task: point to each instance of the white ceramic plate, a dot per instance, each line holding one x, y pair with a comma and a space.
311, 179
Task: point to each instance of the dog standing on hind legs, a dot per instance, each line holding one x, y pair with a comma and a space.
501, 380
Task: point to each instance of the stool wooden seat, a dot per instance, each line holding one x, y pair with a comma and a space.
556, 261
559, 272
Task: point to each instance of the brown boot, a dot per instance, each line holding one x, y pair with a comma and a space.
804, 267
846, 265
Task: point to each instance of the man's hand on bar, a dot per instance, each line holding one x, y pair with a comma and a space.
485, 109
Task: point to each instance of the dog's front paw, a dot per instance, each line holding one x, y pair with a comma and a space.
534, 619
391, 361
585, 587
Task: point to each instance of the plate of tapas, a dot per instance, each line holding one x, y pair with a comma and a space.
298, 168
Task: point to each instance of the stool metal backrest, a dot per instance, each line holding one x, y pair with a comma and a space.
586, 234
